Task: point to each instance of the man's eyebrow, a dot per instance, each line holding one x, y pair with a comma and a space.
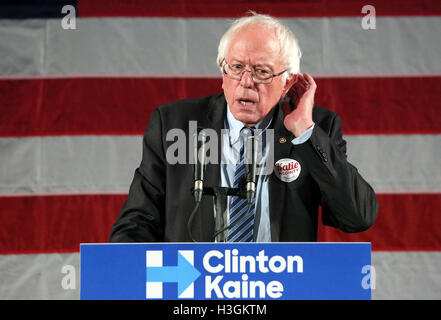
237, 61
267, 65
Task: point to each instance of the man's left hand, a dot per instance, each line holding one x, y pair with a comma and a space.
302, 95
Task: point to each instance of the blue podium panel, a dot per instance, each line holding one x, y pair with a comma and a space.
216, 271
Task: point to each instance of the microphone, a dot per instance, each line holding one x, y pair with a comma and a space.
199, 164
251, 166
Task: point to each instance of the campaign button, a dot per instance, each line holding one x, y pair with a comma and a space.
287, 169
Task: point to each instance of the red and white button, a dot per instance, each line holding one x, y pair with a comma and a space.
287, 169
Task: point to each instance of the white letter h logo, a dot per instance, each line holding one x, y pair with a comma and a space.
184, 274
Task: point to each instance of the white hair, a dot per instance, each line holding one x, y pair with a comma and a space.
290, 49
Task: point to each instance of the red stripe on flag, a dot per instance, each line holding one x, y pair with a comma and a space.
71, 106
284, 8
407, 105
405, 222
56, 223
61, 223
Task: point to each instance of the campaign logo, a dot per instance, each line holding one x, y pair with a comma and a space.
184, 274
217, 271
215, 274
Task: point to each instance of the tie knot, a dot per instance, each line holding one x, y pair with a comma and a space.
246, 131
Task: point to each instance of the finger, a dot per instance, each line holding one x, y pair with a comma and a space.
302, 80
297, 89
310, 80
301, 84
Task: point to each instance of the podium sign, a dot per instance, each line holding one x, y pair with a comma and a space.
216, 271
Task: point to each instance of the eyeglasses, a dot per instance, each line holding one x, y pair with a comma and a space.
259, 74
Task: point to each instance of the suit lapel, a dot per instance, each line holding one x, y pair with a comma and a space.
277, 188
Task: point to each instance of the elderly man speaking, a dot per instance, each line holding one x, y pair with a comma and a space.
263, 91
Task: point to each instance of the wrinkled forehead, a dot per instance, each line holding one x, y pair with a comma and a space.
255, 44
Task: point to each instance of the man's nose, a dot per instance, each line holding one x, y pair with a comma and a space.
247, 79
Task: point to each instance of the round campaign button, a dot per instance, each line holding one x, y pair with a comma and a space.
287, 169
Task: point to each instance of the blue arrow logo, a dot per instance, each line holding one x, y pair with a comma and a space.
184, 274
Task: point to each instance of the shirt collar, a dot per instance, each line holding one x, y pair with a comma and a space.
235, 125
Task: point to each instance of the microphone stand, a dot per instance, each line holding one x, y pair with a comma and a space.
220, 198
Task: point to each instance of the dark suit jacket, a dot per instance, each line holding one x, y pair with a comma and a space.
160, 199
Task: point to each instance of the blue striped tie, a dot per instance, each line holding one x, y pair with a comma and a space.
242, 231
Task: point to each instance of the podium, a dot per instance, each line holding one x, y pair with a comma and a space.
226, 271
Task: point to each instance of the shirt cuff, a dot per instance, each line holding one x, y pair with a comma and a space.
304, 137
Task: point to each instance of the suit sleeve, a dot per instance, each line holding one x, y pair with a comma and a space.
349, 202
141, 217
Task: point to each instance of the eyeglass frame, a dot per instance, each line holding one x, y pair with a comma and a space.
252, 73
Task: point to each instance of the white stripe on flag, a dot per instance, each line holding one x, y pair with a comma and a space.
169, 47
68, 164
106, 164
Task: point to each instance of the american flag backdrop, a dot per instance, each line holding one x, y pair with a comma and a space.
74, 104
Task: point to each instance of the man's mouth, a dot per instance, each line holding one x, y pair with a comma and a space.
246, 102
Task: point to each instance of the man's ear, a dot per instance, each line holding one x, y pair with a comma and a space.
289, 84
